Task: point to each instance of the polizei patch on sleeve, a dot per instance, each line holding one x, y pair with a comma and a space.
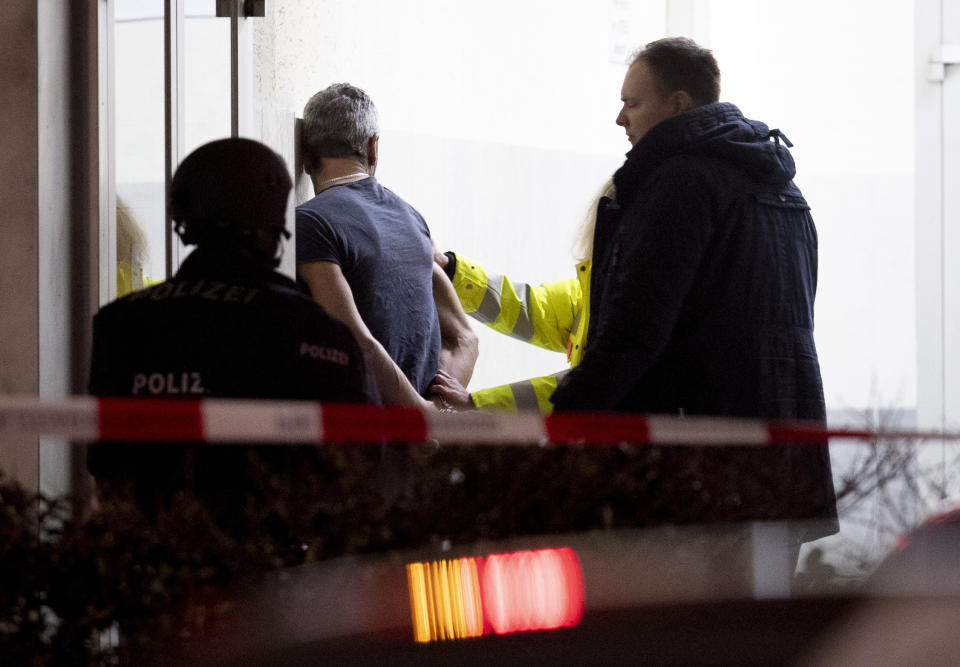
323, 353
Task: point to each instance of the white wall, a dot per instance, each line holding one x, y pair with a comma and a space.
838, 79
498, 125
497, 119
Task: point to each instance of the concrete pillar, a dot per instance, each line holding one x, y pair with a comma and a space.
48, 217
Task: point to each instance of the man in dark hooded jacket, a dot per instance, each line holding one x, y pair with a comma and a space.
701, 302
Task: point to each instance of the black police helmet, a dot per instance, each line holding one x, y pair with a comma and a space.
229, 187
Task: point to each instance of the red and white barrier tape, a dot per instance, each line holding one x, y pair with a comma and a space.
263, 421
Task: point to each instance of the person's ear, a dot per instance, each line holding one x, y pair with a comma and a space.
312, 168
372, 152
681, 101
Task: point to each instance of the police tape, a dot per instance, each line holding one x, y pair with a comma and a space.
291, 422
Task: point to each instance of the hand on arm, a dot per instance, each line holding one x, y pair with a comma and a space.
449, 390
330, 289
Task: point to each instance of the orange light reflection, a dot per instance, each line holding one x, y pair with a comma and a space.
503, 593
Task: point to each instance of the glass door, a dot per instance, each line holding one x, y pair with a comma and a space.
172, 77
139, 142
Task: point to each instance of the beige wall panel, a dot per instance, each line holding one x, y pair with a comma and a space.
19, 356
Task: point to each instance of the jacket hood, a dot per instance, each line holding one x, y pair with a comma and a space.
719, 131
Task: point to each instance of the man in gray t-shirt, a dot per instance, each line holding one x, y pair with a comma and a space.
382, 246
366, 256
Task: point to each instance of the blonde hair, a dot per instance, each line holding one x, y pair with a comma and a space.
583, 243
132, 251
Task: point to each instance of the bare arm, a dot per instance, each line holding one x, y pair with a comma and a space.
330, 289
459, 346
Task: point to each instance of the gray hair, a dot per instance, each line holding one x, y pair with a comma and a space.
338, 122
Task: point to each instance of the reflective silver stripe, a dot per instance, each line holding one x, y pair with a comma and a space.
523, 329
489, 308
524, 395
576, 322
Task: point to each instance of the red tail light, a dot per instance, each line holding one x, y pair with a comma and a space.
502, 593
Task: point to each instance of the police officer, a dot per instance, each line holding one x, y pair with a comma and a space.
226, 325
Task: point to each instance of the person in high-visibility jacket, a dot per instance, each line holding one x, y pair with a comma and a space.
132, 253
551, 315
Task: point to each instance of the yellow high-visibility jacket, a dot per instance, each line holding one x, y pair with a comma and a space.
552, 316
130, 279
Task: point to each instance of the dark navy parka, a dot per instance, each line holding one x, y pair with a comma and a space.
704, 275
701, 300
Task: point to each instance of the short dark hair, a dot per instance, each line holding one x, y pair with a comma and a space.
337, 122
679, 63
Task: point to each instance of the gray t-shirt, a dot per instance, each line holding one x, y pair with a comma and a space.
383, 248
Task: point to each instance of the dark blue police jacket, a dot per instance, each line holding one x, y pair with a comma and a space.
223, 326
